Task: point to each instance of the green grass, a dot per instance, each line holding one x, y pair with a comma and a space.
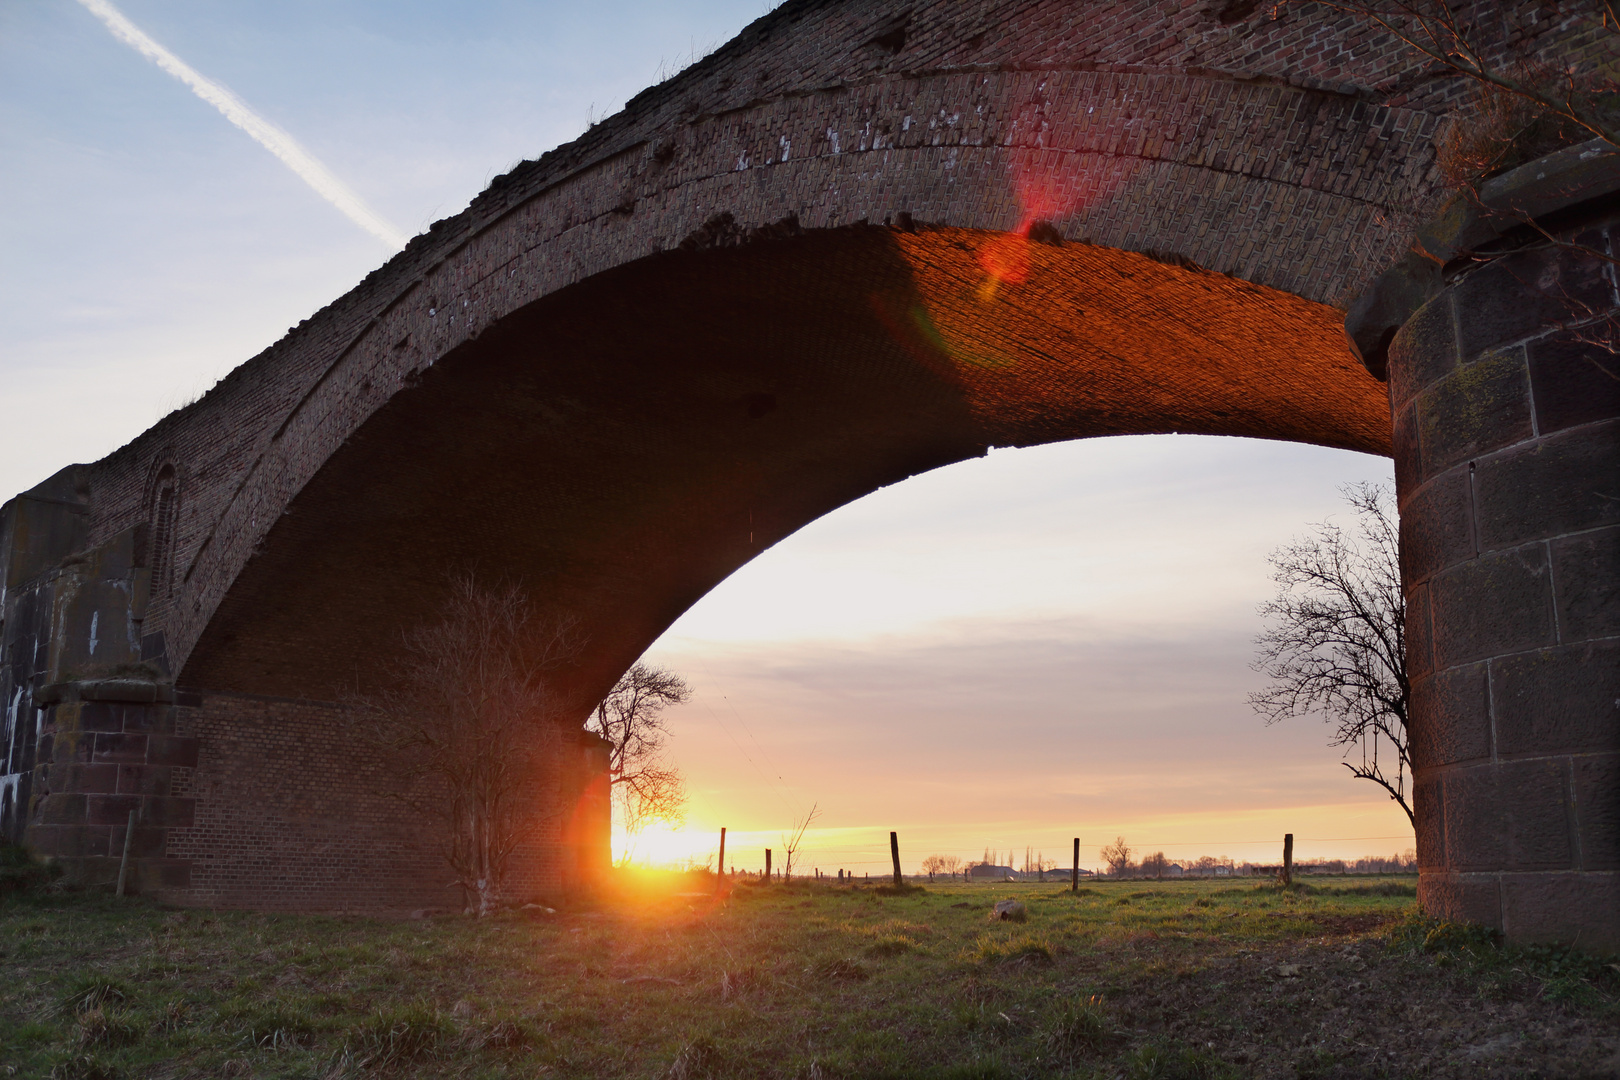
1134, 979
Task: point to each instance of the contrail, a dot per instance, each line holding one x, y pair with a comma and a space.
272, 138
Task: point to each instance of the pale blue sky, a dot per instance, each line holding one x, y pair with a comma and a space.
1011, 651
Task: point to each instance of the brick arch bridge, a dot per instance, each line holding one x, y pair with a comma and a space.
860, 241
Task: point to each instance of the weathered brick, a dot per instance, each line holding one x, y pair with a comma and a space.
145, 779
1408, 450
1567, 483
111, 809
171, 750
1496, 604
1480, 407
1468, 898
1450, 720
1515, 815
1419, 638
1597, 810
1527, 294
85, 778
117, 746
1574, 382
1558, 700
1429, 814
1424, 350
98, 716
1586, 583
1563, 907
62, 808
170, 811
68, 841
1437, 527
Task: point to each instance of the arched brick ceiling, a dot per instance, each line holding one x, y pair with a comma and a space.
623, 445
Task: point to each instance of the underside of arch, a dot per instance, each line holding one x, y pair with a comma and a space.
624, 444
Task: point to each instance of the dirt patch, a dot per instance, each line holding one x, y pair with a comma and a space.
1340, 925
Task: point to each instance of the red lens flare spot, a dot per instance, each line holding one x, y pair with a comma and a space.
1004, 258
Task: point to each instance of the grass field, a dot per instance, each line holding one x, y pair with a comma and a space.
1129, 979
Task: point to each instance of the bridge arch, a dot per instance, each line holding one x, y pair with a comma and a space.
860, 241
627, 443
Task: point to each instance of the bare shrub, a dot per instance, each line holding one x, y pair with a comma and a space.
468, 722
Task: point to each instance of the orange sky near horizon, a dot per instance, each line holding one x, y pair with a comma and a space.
1012, 652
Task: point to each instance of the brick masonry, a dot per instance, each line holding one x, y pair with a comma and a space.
1507, 425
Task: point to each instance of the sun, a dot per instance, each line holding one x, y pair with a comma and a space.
661, 847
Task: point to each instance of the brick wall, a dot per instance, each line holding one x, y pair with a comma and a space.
291, 812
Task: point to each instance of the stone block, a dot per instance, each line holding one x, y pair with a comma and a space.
1514, 815
1419, 635
1574, 907
1424, 349
1563, 484
112, 809
147, 841
1526, 294
1597, 810
1586, 584
102, 779
145, 779
1558, 700
160, 875
1574, 382
156, 718
118, 746
1428, 808
170, 811
62, 808
1437, 527
1480, 407
1496, 604
67, 841
172, 750
69, 747
1408, 451
1450, 717
95, 716
1468, 898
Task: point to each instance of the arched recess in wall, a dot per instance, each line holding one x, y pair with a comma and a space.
162, 513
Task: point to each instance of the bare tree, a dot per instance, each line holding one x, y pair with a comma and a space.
1118, 857
942, 864
791, 841
1155, 864
469, 726
631, 719
1336, 643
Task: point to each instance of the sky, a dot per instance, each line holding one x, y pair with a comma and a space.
1010, 652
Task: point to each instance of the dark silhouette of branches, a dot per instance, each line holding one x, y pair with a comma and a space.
1118, 857
1582, 100
631, 719
468, 724
1336, 643
791, 841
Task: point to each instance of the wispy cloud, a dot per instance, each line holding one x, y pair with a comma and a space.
268, 135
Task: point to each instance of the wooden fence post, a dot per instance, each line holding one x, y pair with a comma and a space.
1074, 879
123, 863
767, 864
1288, 860
720, 872
894, 853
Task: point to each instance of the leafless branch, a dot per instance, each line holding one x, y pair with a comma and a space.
1336, 641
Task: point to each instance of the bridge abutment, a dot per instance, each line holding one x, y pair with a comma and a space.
1505, 397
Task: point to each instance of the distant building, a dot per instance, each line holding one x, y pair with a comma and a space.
993, 873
